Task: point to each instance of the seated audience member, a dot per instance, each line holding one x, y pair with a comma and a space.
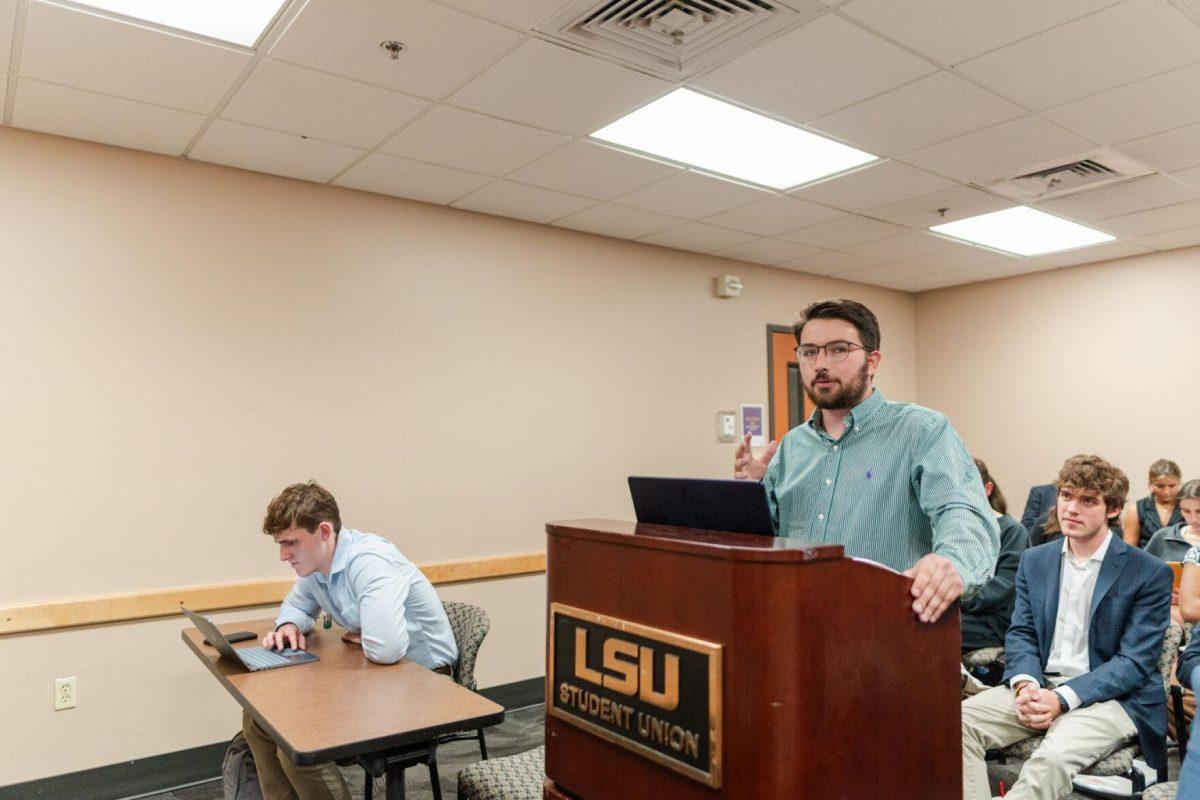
1173, 542
387, 606
1188, 671
1157, 509
1082, 651
985, 616
1037, 506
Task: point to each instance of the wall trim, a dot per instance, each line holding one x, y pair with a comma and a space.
196, 764
127, 607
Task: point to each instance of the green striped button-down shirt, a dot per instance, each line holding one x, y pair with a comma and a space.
897, 486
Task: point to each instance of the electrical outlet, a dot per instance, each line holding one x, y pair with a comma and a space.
64, 693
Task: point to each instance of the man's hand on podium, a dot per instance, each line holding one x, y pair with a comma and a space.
746, 466
936, 584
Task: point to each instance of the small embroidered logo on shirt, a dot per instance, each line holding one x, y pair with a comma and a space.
868, 474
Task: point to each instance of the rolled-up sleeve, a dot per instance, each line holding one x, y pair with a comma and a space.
950, 493
382, 591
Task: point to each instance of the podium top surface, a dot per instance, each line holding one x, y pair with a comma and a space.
696, 541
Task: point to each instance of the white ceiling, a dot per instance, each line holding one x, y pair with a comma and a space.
482, 112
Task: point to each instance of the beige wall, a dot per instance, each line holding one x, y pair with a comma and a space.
1098, 358
181, 340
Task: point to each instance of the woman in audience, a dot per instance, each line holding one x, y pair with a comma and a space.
1158, 509
1189, 671
1173, 542
986, 616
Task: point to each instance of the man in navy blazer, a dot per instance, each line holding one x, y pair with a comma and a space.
1083, 648
1041, 499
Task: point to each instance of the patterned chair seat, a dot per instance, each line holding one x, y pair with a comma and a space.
983, 656
518, 777
1161, 791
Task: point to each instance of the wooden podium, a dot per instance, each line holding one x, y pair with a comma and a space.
696, 664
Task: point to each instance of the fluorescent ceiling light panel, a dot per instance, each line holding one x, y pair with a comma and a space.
694, 129
1024, 231
236, 21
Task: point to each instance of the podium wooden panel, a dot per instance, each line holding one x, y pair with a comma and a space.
831, 686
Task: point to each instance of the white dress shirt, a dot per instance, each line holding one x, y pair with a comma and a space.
1069, 647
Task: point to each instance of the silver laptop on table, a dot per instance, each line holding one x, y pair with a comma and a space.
252, 658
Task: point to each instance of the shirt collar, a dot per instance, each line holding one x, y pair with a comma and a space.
1101, 551
856, 416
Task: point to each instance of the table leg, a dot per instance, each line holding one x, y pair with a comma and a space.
395, 781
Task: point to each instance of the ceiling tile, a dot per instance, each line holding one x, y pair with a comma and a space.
766, 251
1152, 191
1168, 151
961, 256
1003, 269
592, 170
844, 232
897, 248
826, 262
1001, 151
878, 273
466, 140
261, 150
874, 185
1089, 255
516, 200
774, 215
1191, 177
443, 47
1155, 220
551, 87
619, 221
841, 64
1169, 240
520, 14
8, 18
930, 110
1127, 42
935, 208
293, 99
691, 195
925, 283
415, 180
697, 237
70, 112
126, 60
951, 31
1149, 106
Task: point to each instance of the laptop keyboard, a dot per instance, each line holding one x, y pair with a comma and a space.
261, 658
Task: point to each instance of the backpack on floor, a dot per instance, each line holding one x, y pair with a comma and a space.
238, 773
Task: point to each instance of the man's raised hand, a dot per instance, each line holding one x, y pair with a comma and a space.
746, 466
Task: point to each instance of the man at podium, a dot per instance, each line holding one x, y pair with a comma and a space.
891, 482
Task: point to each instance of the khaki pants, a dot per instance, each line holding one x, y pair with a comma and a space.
1074, 741
282, 779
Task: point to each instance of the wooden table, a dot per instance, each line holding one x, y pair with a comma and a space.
345, 706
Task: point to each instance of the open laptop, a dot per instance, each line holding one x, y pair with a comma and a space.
252, 658
715, 505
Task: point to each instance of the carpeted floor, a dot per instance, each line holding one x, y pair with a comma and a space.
521, 730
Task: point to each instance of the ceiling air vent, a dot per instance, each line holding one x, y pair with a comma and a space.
1091, 171
670, 38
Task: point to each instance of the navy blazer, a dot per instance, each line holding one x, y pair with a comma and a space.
1041, 499
1129, 614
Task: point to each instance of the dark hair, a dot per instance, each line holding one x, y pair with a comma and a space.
996, 498
304, 504
858, 315
1091, 474
1165, 469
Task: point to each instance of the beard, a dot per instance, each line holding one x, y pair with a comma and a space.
841, 395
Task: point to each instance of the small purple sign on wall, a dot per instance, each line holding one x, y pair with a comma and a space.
753, 423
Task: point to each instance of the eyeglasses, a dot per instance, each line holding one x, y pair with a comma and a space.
834, 351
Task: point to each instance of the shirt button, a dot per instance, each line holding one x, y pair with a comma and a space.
820, 516
835, 447
828, 481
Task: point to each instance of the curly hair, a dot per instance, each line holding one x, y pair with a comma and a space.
1090, 474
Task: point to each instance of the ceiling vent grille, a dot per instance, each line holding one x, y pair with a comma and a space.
1091, 171
670, 38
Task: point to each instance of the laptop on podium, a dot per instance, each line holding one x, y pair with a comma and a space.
252, 658
715, 505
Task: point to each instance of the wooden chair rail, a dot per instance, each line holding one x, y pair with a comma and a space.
104, 609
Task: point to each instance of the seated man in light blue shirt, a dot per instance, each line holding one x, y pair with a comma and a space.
363, 583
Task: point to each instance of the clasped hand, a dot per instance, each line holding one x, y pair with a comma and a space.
1037, 708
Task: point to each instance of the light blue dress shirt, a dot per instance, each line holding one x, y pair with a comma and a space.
376, 592
899, 484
